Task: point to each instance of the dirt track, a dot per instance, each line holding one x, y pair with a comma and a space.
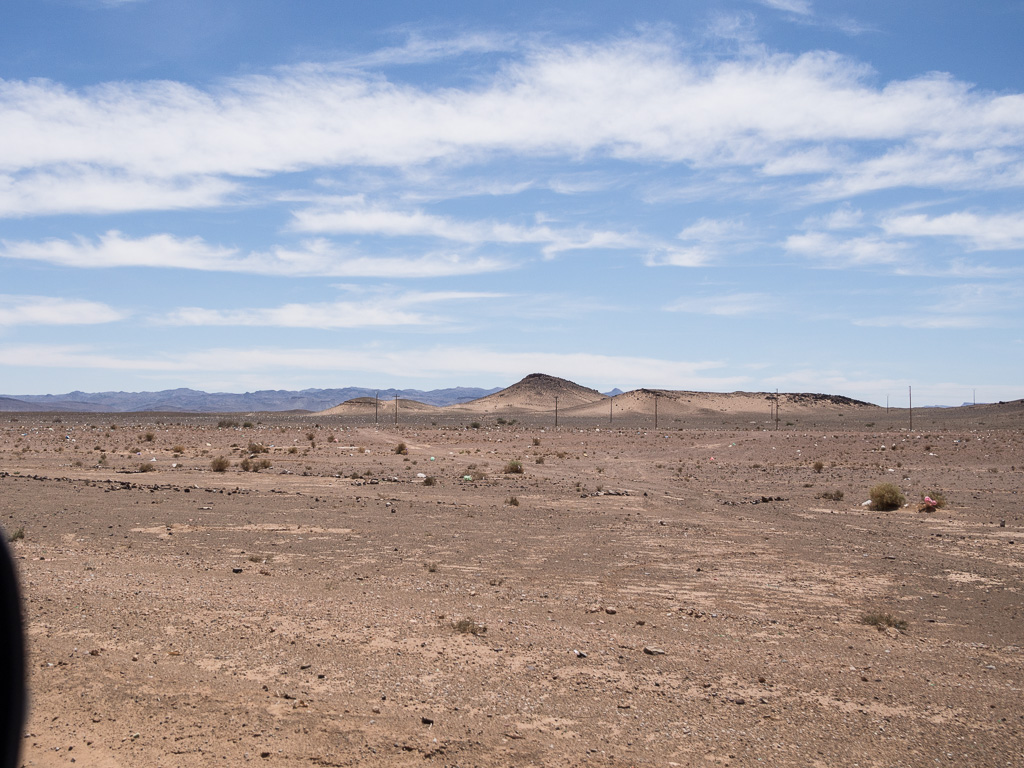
640, 608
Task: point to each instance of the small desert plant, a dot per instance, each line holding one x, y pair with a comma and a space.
883, 620
475, 425
469, 627
401, 449
512, 501
332, 439
246, 465
430, 481
227, 424
149, 437
932, 501
18, 535
474, 473
431, 567
178, 448
220, 464
257, 448
886, 496
514, 467
818, 466
501, 421
310, 436
293, 450
247, 425
539, 460
536, 441
147, 467
831, 495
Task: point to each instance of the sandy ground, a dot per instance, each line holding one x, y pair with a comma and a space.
636, 597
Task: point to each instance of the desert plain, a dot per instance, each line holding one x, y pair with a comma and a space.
474, 586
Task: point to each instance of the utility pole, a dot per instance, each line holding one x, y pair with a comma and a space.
974, 397
776, 409
376, 402
556, 411
655, 410
910, 397
610, 399
396, 409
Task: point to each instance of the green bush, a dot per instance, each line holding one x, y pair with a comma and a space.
886, 496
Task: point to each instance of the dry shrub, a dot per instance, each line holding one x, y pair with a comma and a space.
220, 464
514, 467
401, 449
886, 496
883, 620
469, 627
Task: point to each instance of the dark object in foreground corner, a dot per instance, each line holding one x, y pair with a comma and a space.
12, 662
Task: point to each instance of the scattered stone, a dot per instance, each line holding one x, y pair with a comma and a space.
652, 651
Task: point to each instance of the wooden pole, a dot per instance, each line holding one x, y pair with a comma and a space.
556, 411
655, 410
376, 403
910, 396
396, 409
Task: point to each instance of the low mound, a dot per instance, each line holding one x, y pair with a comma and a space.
680, 402
536, 392
364, 405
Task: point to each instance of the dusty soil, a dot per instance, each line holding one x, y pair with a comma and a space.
636, 597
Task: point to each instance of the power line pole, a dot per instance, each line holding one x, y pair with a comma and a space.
396, 409
910, 397
556, 411
776, 409
655, 410
610, 400
376, 402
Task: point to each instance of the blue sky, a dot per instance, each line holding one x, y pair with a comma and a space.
720, 196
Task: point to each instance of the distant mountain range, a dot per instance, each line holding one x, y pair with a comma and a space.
195, 401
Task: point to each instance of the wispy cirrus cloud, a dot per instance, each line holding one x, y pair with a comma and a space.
53, 310
354, 216
312, 258
726, 305
391, 310
828, 250
982, 232
447, 363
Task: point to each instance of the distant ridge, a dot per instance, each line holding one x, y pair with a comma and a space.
196, 401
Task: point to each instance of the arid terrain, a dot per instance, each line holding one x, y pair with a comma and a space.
709, 592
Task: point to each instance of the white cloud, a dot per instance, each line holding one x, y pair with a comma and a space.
314, 258
354, 216
802, 7
714, 231
48, 310
984, 233
419, 49
445, 363
726, 305
696, 256
830, 250
380, 311
91, 190
632, 99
